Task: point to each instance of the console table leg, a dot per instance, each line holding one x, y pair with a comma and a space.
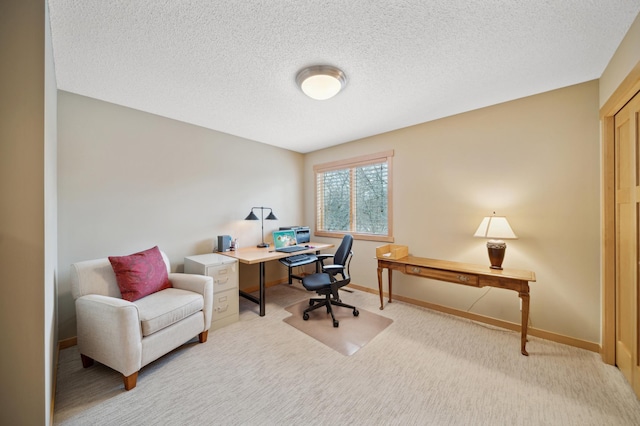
525, 321
390, 284
380, 288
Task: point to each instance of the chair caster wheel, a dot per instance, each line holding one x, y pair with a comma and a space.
336, 323
310, 302
305, 316
356, 312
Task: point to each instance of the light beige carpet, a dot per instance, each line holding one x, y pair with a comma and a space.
425, 369
352, 334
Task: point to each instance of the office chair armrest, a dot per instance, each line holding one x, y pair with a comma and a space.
333, 269
324, 256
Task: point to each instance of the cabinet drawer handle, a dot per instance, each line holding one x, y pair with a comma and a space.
416, 270
463, 278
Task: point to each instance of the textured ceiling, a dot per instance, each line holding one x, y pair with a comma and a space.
231, 65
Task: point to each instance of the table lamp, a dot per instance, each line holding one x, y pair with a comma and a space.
252, 216
497, 229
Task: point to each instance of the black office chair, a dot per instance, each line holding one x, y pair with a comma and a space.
327, 282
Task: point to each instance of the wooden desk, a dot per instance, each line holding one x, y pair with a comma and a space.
465, 274
252, 255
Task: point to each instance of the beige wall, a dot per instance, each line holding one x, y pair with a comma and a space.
535, 160
129, 180
27, 214
626, 57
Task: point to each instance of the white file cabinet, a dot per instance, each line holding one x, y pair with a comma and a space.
224, 271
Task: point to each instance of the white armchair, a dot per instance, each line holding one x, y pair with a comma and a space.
127, 335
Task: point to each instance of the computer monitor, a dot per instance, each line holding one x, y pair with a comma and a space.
284, 238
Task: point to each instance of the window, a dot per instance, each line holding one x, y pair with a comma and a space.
354, 196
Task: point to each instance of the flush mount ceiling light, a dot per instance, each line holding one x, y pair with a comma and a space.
321, 81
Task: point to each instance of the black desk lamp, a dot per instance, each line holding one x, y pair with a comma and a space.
252, 216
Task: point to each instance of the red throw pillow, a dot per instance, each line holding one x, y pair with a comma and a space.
140, 274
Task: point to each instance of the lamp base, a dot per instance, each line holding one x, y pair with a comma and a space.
263, 245
496, 249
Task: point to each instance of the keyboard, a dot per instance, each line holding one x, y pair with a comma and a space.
298, 258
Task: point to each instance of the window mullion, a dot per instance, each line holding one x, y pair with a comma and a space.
320, 200
353, 207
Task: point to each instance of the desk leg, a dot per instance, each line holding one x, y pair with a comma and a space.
262, 289
525, 321
260, 299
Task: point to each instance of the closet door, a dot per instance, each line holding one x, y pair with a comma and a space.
627, 178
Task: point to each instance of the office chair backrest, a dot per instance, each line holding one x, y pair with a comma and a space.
340, 256
346, 273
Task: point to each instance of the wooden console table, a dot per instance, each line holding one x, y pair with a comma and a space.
465, 274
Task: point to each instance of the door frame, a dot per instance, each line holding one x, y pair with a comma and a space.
625, 91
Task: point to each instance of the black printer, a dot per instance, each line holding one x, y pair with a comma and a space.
303, 233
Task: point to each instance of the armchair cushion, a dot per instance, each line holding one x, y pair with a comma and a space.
162, 309
140, 274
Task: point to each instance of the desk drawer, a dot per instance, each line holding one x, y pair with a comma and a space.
437, 274
226, 309
225, 303
225, 277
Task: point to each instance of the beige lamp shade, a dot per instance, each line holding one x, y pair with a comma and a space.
495, 228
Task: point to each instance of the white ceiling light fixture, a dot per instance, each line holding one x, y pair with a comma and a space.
321, 82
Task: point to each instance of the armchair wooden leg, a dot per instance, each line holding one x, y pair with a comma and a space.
86, 361
202, 337
130, 381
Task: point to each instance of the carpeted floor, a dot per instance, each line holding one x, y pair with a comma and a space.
426, 368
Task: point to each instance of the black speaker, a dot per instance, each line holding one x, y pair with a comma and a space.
224, 242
